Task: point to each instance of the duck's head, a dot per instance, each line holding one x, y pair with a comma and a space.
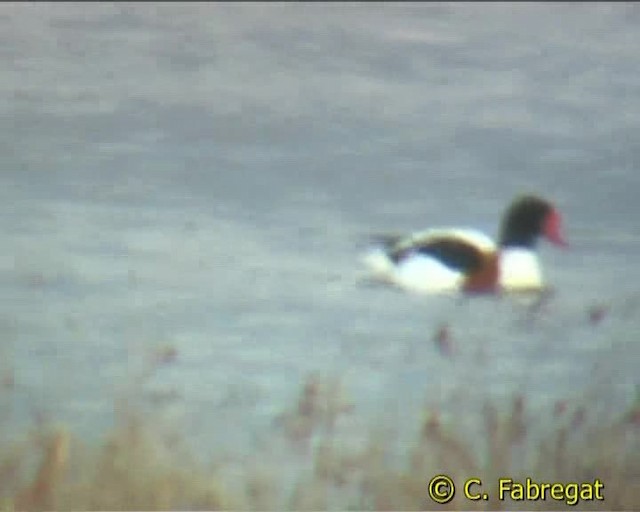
528, 218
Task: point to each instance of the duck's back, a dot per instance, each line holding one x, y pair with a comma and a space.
431, 261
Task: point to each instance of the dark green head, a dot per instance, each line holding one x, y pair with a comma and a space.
527, 218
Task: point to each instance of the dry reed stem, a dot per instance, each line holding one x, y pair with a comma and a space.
40, 494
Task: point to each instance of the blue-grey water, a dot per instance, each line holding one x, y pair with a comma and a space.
203, 176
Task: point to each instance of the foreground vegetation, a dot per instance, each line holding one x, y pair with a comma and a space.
135, 467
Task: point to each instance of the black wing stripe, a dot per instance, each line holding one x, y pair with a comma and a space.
456, 254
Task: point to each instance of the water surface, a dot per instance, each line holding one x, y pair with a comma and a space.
203, 176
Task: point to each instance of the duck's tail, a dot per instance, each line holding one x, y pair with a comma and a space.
377, 261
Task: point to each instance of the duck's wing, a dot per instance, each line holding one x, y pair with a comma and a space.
461, 250
393, 241
470, 236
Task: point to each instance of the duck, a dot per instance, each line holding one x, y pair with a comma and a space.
443, 260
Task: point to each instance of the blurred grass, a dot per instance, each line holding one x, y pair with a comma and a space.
135, 467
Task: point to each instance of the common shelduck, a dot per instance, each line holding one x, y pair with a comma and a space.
447, 260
